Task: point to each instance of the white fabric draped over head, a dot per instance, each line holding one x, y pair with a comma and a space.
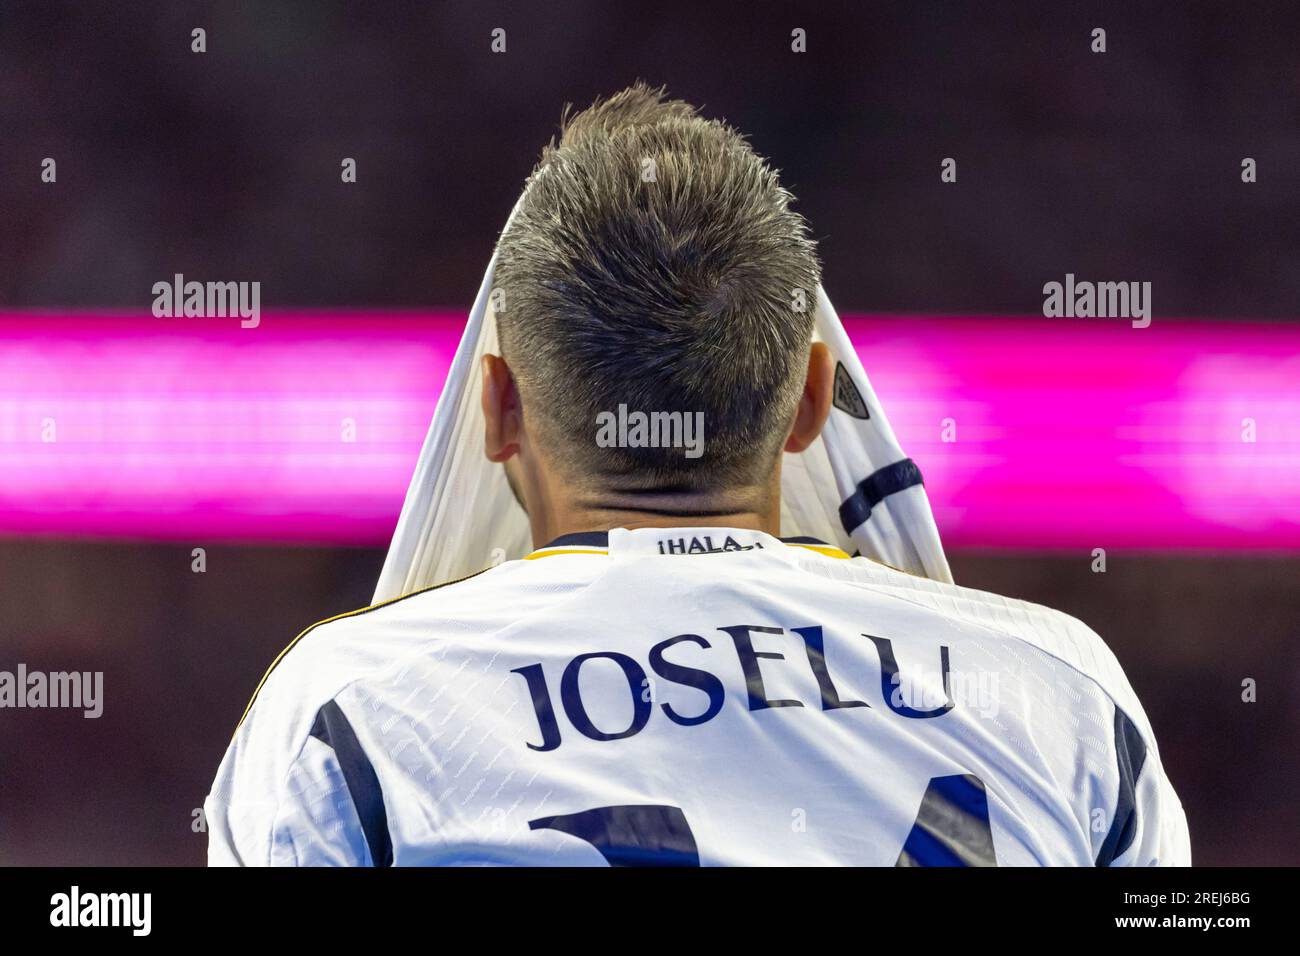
853, 487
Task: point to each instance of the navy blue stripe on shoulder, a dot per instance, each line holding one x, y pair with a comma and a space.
1131, 755
334, 730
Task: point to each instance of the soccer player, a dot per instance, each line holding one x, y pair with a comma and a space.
665, 680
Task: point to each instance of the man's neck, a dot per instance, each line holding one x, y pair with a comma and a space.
654, 511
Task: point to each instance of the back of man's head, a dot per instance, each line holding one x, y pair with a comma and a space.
654, 263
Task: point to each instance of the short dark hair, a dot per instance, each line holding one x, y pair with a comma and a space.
689, 290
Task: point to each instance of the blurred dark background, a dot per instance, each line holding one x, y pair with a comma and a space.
1123, 165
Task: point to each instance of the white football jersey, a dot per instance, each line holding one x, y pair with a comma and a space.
696, 696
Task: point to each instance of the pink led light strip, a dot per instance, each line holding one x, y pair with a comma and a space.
1068, 433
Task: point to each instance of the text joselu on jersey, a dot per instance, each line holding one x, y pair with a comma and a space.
893, 685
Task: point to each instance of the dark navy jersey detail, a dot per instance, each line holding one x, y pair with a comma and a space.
1131, 751
875, 488
333, 729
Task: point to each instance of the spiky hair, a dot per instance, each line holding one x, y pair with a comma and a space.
655, 262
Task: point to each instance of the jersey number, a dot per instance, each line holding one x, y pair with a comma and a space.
951, 829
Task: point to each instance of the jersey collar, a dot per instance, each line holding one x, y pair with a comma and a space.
692, 540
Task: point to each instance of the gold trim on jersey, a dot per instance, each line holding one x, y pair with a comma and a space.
337, 617
551, 552
829, 550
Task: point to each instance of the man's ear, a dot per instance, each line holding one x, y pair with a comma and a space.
502, 413
815, 402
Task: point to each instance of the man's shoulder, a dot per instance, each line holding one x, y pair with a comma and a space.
331, 654
1055, 633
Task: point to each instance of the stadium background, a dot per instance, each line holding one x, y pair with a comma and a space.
1123, 165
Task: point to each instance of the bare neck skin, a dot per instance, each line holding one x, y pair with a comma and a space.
557, 506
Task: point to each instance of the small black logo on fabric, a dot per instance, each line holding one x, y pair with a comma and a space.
847, 397
703, 545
